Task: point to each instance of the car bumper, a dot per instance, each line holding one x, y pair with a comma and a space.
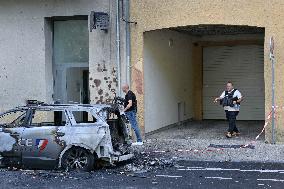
123, 157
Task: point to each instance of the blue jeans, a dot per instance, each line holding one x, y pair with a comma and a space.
231, 117
131, 115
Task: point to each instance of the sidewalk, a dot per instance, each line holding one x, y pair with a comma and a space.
197, 149
192, 142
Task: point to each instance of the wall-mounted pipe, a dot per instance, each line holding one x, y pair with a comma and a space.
127, 43
118, 60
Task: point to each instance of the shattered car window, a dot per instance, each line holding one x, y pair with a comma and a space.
83, 117
13, 119
47, 118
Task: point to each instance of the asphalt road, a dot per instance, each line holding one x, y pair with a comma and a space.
182, 174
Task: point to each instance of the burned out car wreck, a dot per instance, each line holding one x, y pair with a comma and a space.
66, 136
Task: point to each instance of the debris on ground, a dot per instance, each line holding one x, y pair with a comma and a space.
145, 162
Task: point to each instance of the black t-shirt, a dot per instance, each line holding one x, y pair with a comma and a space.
130, 96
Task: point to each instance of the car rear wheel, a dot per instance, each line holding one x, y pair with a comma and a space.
78, 159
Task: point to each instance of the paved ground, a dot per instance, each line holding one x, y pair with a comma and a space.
193, 141
209, 129
183, 174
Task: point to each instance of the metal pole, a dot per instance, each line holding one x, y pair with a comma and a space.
273, 103
118, 47
273, 89
127, 29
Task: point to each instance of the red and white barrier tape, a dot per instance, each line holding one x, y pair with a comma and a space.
263, 129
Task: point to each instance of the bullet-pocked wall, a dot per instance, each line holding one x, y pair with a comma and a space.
26, 49
158, 14
104, 81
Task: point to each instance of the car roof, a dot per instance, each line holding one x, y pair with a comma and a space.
60, 107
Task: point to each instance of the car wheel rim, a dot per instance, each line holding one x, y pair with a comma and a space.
77, 159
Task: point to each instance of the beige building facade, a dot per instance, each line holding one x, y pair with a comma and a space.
175, 44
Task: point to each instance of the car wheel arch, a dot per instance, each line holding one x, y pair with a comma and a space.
90, 150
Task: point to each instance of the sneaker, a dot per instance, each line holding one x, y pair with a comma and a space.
236, 134
137, 143
229, 135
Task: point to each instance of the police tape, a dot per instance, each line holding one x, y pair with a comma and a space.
274, 109
263, 129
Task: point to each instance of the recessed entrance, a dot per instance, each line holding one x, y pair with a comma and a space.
185, 68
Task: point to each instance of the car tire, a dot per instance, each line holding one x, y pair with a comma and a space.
77, 159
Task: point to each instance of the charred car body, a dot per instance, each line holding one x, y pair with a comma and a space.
68, 136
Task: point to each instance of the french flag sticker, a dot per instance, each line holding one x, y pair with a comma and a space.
41, 144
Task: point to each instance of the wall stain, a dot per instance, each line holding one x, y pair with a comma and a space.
97, 82
105, 81
100, 92
109, 86
99, 69
101, 100
138, 80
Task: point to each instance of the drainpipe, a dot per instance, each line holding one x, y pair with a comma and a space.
127, 42
118, 47
272, 58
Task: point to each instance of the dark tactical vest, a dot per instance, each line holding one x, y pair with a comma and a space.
228, 99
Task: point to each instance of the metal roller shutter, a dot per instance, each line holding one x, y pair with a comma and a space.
243, 65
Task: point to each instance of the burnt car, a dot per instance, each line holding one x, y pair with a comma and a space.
67, 136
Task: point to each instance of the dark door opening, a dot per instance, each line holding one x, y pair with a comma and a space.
86, 95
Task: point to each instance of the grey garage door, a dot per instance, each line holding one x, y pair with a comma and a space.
243, 65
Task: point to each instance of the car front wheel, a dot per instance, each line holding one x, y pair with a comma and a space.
77, 159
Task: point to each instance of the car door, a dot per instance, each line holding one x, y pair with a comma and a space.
12, 125
43, 148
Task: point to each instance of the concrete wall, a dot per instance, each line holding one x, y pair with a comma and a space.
168, 78
26, 49
168, 74
158, 14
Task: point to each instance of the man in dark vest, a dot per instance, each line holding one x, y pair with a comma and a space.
230, 99
130, 109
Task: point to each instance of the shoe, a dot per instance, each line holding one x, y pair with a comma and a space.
236, 134
229, 135
137, 144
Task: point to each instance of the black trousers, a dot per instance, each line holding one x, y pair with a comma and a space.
231, 117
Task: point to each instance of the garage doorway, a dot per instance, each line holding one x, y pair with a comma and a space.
240, 64
185, 68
